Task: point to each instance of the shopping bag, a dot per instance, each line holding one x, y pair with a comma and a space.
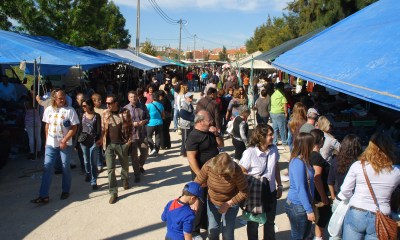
336, 223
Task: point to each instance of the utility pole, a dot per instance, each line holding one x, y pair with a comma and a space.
137, 27
194, 48
180, 39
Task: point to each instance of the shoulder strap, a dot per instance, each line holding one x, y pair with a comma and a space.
309, 185
157, 108
370, 187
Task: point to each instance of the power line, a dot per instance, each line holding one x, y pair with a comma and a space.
162, 14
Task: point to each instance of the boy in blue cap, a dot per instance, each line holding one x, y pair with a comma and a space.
178, 214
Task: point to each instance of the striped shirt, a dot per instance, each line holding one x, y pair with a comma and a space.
222, 188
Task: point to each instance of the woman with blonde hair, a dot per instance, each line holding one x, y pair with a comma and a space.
227, 187
330, 144
297, 119
376, 162
301, 191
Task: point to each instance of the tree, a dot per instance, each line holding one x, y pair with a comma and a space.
223, 56
97, 23
148, 48
304, 16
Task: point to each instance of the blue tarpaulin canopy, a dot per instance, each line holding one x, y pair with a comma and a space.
54, 57
154, 60
359, 56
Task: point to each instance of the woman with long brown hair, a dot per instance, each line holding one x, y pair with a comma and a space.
227, 187
301, 191
376, 162
349, 151
297, 119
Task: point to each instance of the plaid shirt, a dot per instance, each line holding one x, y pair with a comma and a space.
127, 125
254, 203
138, 113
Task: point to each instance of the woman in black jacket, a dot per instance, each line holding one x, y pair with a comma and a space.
89, 134
165, 141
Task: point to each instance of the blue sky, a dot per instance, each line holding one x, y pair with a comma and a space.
215, 22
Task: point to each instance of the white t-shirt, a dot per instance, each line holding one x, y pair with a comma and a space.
253, 160
56, 117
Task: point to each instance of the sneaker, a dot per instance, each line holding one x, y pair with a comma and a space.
197, 237
95, 187
113, 199
100, 169
153, 152
126, 184
284, 178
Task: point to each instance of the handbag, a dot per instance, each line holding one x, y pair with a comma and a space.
312, 202
336, 222
260, 218
86, 139
386, 228
229, 126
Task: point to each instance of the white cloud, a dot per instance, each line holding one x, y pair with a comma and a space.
237, 5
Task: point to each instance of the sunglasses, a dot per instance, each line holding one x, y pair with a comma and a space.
84, 105
109, 103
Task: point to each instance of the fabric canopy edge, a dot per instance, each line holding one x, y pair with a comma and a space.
298, 74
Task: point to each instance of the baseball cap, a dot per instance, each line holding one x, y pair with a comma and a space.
312, 110
195, 189
188, 95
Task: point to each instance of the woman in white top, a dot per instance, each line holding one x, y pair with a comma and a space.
179, 98
377, 158
330, 144
261, 159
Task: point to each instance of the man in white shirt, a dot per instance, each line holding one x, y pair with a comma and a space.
61, 125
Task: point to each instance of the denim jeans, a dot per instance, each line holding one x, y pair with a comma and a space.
299, 224
190, 85
290, 140
261, 120
34, 131
269, 226
100, 157
215, 221
176, 117
279, 124
90, 159
51, 155
359, 225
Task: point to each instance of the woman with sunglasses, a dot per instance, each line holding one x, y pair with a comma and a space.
89, 139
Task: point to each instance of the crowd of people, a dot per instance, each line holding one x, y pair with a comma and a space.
321, 169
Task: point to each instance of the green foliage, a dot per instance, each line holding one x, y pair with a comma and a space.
148, 48
223, 56
97, 23
303, 16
